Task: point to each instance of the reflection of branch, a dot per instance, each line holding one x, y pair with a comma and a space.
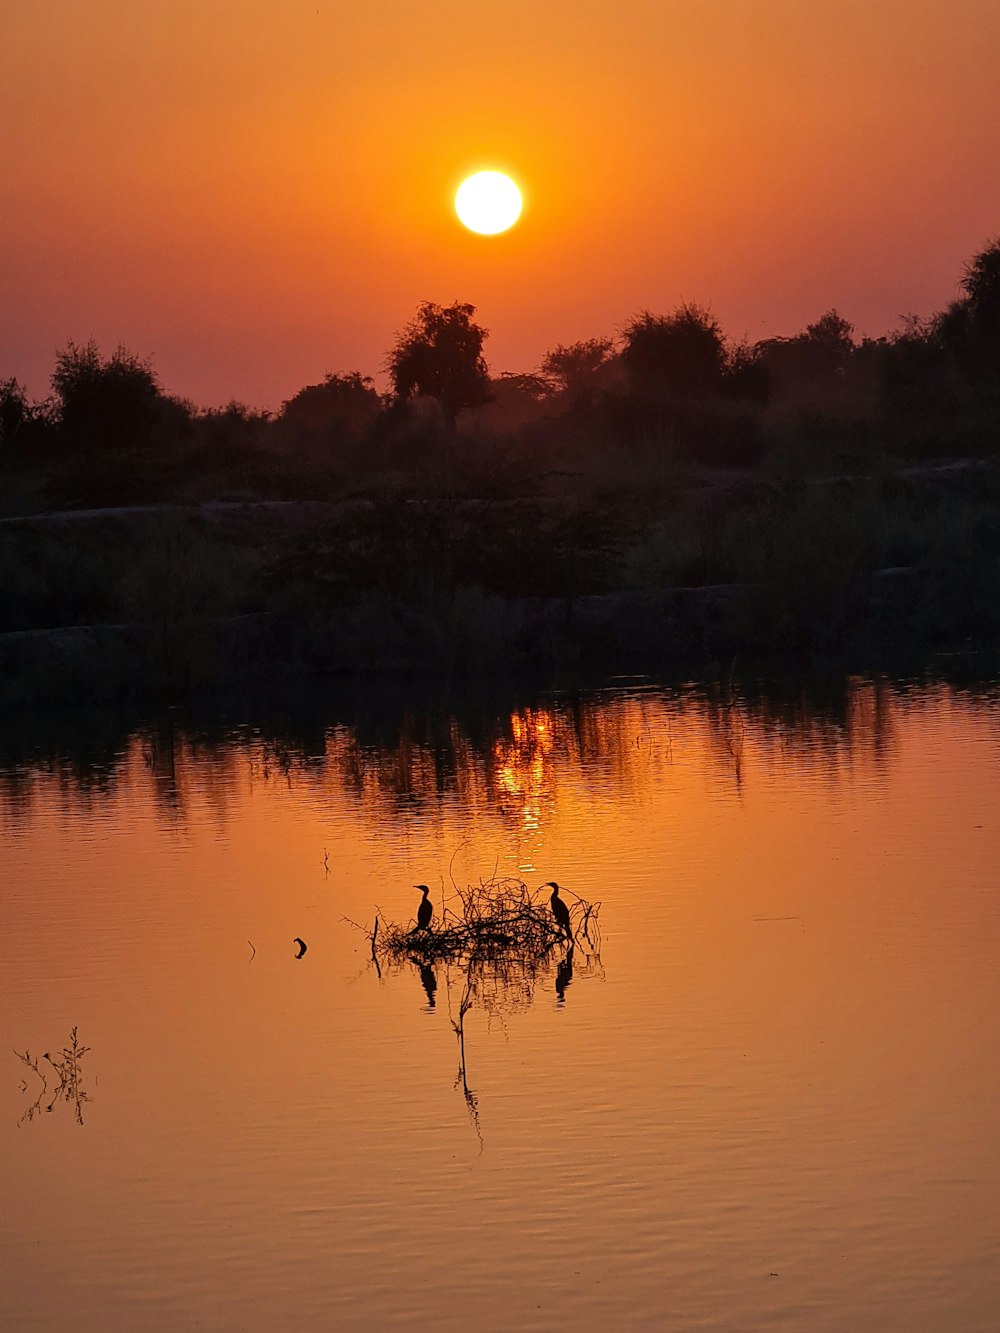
26, 1058
374, 953
371, 935
67, 1066
451, 863
470, 1097
733, 725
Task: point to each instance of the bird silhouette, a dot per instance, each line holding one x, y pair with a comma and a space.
425, 911
559, 909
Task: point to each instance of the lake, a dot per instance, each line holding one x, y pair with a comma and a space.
763, 1094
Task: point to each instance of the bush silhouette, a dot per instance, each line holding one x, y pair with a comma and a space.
681, 355
746, 377
339, 410
571, 369
917, 377
831, 333
104, 404
15, 411
981, 332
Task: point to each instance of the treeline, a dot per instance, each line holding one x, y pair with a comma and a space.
665, 390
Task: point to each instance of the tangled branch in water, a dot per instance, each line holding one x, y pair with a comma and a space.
501, 923
502, 938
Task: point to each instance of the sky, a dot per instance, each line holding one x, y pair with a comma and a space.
255, 193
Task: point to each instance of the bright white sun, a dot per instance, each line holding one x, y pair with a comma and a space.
488, 202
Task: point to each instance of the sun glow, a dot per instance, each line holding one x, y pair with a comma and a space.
488, 202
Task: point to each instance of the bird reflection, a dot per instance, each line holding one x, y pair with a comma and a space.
429, 982
559, 909
425, 911
564, 975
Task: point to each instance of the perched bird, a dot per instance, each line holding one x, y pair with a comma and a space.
425, 911
559, 909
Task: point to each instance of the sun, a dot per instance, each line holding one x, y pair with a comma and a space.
488, 202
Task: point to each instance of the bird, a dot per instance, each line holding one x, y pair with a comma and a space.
302, 946
425, 911
559, 909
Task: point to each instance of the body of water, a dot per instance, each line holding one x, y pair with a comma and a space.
762, 1094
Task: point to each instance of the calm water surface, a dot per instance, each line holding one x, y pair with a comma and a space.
767, 1100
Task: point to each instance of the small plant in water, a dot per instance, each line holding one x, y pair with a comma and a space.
66, 1067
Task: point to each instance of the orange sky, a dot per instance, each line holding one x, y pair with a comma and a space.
256, 192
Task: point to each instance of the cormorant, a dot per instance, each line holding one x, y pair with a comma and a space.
559, 909
425, 911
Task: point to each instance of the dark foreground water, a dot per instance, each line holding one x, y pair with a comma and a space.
765, 1098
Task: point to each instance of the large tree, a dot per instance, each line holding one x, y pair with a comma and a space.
440, 354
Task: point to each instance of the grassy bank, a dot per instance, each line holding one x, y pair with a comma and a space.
701, 567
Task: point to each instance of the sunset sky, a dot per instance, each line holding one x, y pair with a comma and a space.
255, 193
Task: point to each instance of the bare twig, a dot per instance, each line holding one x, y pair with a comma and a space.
66, 1065
451, 863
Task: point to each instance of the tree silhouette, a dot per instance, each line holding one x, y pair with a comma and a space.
916, 374
981, 283
981, 280
440, 354
104, 403
571, 368
682, 354
832, 333
14, 410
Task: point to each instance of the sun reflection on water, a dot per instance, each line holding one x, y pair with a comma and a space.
524, 779
802, 929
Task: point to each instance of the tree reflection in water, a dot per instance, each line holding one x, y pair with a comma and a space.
515, 755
